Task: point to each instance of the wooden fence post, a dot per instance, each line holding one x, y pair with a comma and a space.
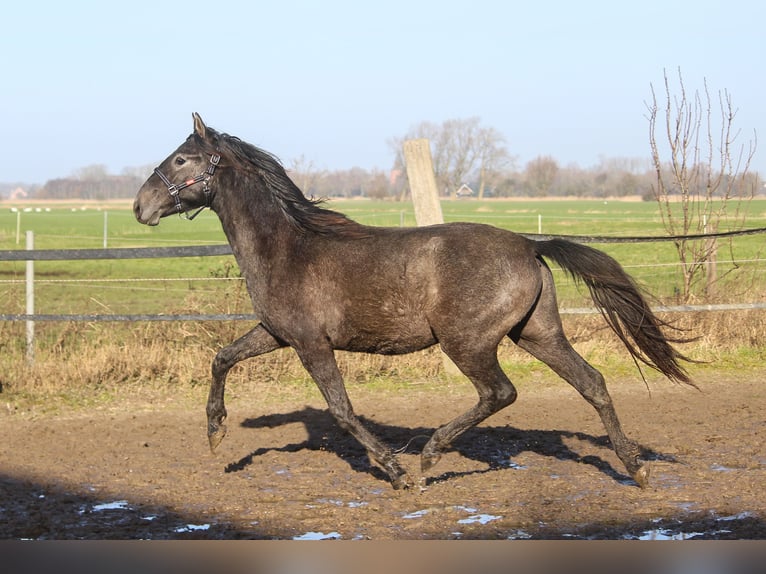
425, 198
420, 173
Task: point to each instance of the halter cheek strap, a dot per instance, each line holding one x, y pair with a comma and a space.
204, 177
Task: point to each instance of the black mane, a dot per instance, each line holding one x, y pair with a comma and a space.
304, 213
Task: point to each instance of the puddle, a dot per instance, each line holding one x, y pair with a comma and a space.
318, 536
722, 468
332, 501
116, 505
504, 461
666, 534
475, 516
335, 502
678, 533
192, 528
468, 509
479, 519
740, 516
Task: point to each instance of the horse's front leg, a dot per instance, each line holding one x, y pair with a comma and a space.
321, 365
255, 342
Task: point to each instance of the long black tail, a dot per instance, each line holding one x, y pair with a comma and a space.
619, 299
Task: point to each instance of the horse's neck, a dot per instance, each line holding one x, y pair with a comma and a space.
256, 229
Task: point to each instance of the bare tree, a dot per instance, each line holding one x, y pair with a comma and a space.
493, 158
141, 172
461, 149
305, 175
704, 183
378, 186
540, 174
93, 172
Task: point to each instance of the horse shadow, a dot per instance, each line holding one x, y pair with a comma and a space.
495, 446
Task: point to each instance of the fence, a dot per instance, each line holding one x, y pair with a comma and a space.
30, 255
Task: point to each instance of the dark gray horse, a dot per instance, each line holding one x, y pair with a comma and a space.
320, 281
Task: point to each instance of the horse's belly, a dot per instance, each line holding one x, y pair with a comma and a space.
391, 339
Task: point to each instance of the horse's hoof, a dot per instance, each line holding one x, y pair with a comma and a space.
215, 435
641, 476
402, 482
428, 461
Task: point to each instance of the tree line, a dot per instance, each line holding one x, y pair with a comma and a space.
541, 177
93, 182
469, 159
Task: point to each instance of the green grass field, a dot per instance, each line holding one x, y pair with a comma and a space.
77, 362
170, 285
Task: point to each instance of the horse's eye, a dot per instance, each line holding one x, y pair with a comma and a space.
180, 161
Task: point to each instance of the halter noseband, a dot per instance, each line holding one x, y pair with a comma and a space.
204, 177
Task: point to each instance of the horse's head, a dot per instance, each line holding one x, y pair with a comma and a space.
181, 182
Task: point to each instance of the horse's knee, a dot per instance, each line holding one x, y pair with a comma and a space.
221, 364
593, 389
505, 395
498, 397
216, 411
343, 415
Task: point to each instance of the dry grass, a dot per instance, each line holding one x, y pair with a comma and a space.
79, 363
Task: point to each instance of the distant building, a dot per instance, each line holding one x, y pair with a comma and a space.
18, 193
464, 191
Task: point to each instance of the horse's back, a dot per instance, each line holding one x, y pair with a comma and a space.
403, 289
488, 276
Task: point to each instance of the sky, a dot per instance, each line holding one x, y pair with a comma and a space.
333, 81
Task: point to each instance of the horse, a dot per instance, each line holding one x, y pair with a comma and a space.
320, 282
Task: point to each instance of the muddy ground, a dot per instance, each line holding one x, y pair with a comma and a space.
540, 469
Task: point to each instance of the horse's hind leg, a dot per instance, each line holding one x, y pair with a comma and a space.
495, 392
255, 342
543, 336
558, 354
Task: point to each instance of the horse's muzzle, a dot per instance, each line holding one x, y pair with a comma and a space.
146, 215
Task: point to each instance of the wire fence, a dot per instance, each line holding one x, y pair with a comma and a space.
31, 255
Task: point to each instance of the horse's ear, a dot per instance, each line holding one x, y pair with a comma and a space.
199, 125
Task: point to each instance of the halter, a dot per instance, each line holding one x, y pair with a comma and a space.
204, 177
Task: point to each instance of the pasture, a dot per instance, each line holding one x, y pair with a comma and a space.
157, 285
105, 431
